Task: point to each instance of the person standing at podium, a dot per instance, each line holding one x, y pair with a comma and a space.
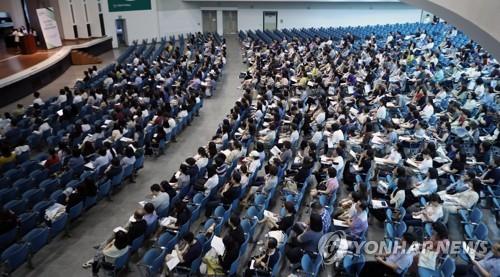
17, 36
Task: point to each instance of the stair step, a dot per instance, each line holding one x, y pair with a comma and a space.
83, 58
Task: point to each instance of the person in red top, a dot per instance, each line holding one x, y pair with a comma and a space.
52, 159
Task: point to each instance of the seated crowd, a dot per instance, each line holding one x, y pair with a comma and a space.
329, 133
94, 137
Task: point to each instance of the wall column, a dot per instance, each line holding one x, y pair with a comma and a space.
220, 24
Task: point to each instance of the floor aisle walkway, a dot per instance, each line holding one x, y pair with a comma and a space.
65, 256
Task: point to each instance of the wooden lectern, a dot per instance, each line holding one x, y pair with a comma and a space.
27, 44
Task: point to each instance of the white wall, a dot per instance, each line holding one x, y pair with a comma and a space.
93, 13
292, 15
80, 19
290, 18
66, 20
140, 24
173, 17
178, 17
174, 22
15, 10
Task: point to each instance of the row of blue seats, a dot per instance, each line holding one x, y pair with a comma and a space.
16, 254
437, 31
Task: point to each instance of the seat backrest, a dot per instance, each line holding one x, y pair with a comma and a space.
17, 206
389, 230
150, 256
164, 239
57, 196
7, 238
41, 206
14, 256
400, 229
49, 185
76, 210
14, 174
219, 211
23, 185
353, 264
307, 264
105, 187
481, 231
7, 195
198, 198
137, 243
476, 215
448, 267
27, 221
66, 177
252, 212
121, 261
151, 228
36, 239
58, 225
73, 184
246, 225
33, 196
234, 267
277, 266
38, 175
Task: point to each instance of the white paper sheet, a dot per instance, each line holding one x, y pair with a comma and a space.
173, 261
340, 223
218, 245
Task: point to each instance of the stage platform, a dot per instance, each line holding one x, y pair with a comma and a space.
21, 75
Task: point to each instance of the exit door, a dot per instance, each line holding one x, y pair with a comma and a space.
121, 32
230, 22
270, 21
209, 20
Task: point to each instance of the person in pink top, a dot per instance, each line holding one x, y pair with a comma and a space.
331, 185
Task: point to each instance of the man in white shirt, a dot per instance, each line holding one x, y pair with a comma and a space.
337, 160
77, 98
102, 160
394, 156
428, 185
136, 61
320, 118
381, 111
318, 135
213, 179
160, 199
108, 81
337, 134
270, 136
427, 111
171, 122
62, 98
235, 152
426, 163
294, 136
37, 99
255, 164
44, 127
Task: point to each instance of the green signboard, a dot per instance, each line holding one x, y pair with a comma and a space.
128, 5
